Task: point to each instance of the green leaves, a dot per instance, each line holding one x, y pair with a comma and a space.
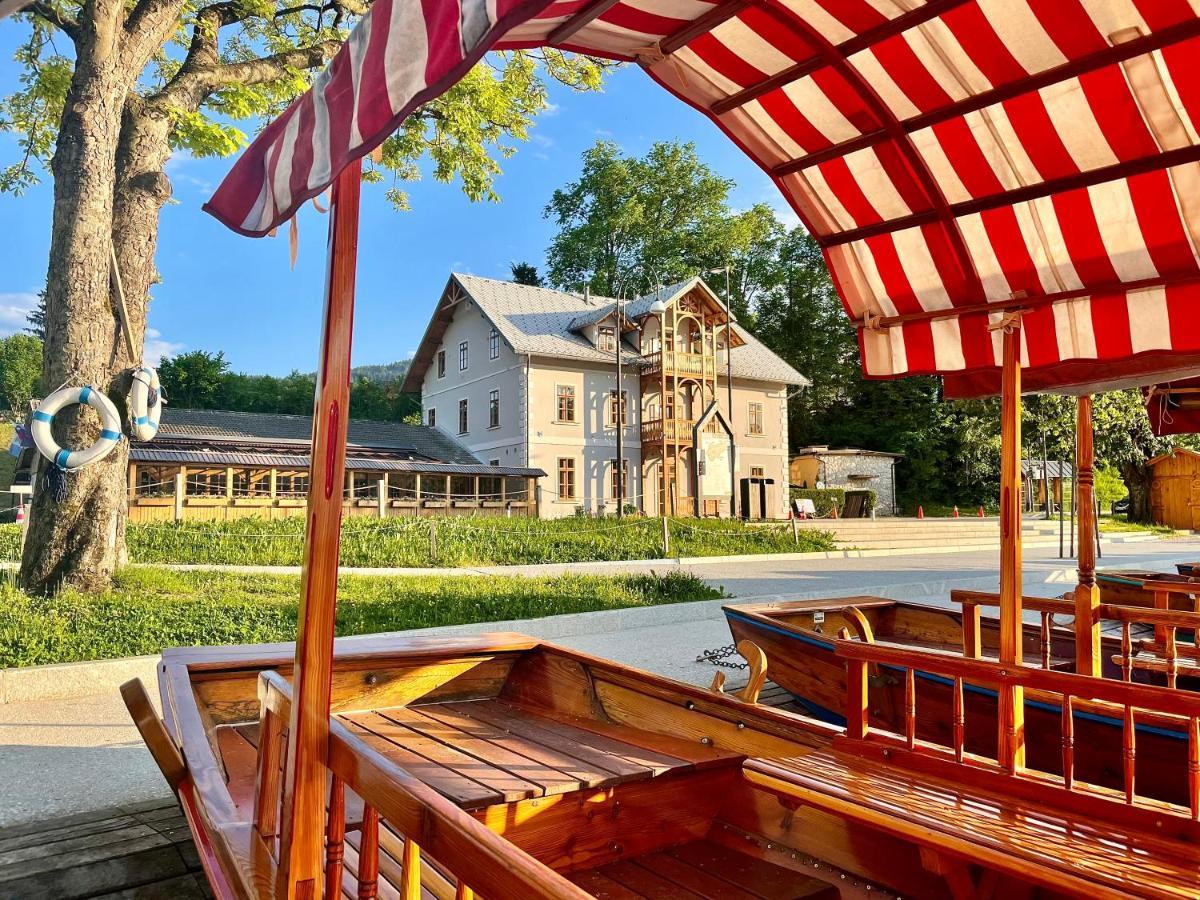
33, 112
628, 223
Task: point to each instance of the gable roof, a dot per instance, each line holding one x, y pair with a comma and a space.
543, 322
225, 427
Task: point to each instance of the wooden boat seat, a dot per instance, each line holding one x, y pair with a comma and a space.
700, 869
479, 753
1029, 841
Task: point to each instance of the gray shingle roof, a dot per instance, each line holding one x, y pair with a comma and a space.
225, 427
541, 322
149, 454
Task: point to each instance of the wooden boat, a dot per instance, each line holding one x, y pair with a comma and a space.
565, 772
799, 638
1128, 586
1189, 569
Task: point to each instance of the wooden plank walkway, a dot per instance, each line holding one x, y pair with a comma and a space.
137, 852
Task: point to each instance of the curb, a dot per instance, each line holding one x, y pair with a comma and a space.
667, 562
66, 681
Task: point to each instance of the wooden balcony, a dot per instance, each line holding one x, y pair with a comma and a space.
678, 363
656, 430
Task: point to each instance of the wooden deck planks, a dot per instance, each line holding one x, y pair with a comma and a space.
700, 870
140, 851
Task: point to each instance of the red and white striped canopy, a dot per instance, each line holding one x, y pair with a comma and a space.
956, 159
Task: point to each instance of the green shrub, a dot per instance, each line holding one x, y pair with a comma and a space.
824, 499
151, 609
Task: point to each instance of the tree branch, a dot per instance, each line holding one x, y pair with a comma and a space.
55, 17
272, 68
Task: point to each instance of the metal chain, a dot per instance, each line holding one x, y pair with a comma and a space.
720, 657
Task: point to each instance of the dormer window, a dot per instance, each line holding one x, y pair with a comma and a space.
606, 339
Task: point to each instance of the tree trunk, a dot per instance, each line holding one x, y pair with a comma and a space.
1137, 478
103, 151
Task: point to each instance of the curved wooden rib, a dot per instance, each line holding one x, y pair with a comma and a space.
154, 733
854, 616
757, 659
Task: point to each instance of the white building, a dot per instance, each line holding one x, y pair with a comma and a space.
526, 376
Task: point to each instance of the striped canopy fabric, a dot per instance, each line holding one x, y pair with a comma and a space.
960, 162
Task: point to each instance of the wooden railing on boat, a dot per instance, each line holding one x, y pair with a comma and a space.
1159, 655
406, 832
1124, 701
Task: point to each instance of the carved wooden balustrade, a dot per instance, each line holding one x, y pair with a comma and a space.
677, 362
1122, 702
654, 430
382, 822
1165, 654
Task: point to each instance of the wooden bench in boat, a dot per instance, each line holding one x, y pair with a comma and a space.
1031, 842
1044, 827
479, 753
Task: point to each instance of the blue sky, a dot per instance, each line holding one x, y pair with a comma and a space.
224, 292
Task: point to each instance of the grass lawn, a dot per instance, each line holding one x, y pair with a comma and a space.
1122, 523
150, 609
405, 542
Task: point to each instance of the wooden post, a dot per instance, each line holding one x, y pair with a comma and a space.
449, 502
133, 482
229, 482
382, 499
433, 539
180, 491
666, 538
1087, 592
417, 492
795, 531
273, 483
302, 832
1012, 709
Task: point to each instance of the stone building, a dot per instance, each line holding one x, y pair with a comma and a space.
849, 469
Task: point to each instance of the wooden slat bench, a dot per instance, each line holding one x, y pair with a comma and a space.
700, 869
479, 753
1032, 842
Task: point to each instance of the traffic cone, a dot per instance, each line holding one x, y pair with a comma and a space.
834, 508
920, 512
956, 512
981, 510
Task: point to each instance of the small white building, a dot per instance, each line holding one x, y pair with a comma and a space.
850, 470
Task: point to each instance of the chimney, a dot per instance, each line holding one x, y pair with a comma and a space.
587, 294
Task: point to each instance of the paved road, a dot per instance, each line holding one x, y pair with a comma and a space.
76, 755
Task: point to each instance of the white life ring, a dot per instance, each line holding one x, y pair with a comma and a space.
145, 417
43, 419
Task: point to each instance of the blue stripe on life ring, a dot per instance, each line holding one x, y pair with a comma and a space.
42, 417
141, 420
61, 459
84, 393
110, 435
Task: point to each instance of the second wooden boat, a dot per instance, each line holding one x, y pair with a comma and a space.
800, 638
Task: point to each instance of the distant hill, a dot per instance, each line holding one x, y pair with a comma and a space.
381, 374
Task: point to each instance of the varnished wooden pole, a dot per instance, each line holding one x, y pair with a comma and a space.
1012, 718
1087, 592
302, 832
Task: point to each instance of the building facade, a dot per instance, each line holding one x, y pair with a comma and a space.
850, 470
526, 376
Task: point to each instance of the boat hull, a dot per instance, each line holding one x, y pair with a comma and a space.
804, 663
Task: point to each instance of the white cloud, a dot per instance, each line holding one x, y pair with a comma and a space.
14, 311
156, 348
